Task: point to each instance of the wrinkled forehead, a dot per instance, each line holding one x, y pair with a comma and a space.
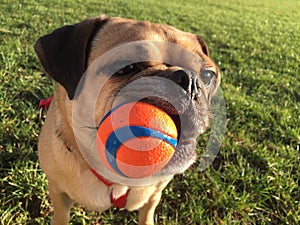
128, 40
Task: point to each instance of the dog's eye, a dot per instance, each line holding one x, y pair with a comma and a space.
207, 76
129, 69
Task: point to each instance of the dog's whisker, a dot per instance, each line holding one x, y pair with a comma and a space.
89, 127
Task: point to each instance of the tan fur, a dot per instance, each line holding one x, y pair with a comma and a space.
69, 174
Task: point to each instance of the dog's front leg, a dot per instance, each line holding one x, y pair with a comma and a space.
61, 205
146, 213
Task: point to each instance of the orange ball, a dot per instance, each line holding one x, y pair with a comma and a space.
136, 139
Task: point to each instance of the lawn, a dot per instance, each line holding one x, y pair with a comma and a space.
255, 177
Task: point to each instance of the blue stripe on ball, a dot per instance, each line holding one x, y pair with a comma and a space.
110, 111
119, 136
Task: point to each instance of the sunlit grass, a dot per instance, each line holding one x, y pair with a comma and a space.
255, 177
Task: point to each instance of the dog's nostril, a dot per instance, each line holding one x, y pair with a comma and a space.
188, 81
181, 78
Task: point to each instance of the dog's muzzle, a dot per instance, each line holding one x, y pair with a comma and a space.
183, 99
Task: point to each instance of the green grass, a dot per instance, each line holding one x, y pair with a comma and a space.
255, 177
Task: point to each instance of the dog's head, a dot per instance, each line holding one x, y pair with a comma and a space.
173, 72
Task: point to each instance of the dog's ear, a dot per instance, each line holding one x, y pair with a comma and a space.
203, 45
64, 53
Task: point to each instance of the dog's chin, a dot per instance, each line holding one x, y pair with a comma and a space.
184, 156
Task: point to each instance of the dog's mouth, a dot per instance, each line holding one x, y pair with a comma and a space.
186, 124
166, 107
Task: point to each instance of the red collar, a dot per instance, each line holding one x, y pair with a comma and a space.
117, 202
44, 104
106, 182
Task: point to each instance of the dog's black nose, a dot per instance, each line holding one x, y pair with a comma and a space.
188, 81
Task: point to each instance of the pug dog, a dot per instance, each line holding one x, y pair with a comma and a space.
66, 55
